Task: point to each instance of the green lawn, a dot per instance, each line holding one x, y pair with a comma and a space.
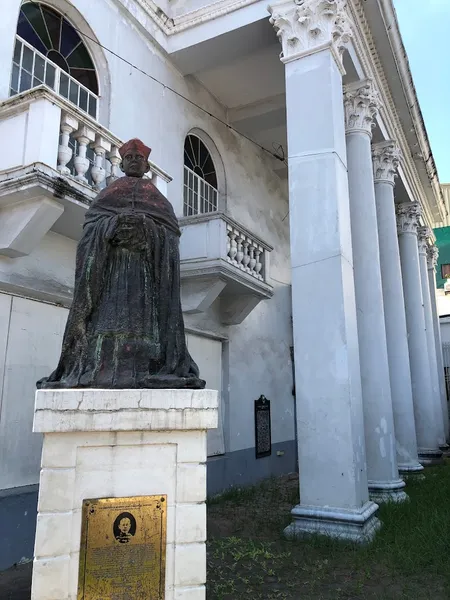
248, 558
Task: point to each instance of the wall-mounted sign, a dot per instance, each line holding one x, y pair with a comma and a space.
263, 435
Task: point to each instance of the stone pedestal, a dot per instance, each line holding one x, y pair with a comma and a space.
333, 483
122, 443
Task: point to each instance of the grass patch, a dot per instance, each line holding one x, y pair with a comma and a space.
248, 556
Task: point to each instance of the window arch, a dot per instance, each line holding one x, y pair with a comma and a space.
200, 178
50, 51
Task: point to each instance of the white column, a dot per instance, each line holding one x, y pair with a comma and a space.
331, 447
408, 215
361, 106
386, 157
432, 256
424, 234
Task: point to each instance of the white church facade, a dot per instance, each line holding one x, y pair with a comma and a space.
306, 192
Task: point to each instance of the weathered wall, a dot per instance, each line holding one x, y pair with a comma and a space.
134, 105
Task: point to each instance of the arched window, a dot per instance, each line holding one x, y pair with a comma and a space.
200, 178
50, 51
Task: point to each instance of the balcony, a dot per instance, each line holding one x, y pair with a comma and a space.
222, 261
57, 158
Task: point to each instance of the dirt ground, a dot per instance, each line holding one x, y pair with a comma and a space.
248, 557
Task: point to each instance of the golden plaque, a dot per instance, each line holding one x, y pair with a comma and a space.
123, 549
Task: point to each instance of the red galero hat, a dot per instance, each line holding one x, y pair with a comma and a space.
135, 145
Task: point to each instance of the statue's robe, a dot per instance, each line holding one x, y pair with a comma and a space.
125, 327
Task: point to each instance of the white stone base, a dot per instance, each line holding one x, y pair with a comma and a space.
429, 458
387, 491
122, 443
355, 525
410, 468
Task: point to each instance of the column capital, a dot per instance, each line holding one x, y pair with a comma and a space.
408, 215
308, 26
423, 236
432, 256
361, 104
386, 158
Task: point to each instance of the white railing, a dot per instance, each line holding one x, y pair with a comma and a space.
209, 241
199, 196
31, 69
244, 252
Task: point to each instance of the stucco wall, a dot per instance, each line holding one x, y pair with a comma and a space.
258, 353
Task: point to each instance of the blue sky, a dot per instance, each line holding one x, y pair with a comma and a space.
425, 28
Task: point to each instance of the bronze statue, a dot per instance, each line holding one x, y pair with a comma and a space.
125, 327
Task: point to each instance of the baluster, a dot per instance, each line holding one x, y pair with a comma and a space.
233, 246
228, 242
98, 172
115, 159
83, 136
258, 265
246, 258
252, 262
240, 253
68, 125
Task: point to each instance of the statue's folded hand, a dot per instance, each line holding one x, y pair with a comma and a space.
130, 232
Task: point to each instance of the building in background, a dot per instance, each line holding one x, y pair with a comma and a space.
203, 85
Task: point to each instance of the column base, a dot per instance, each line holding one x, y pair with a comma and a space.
429, 458
444, 447
356, 525
387, 491
410, 468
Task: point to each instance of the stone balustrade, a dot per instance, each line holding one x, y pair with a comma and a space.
48, 131
90, 154
244, 252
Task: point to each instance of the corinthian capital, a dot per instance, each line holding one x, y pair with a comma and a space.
423, 236
361, 103
408, 215
432, 256
386, 158
307, 26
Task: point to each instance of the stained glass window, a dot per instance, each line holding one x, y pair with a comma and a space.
200, 179
52, 35
45, 39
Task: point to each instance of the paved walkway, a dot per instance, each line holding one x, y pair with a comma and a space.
15, 583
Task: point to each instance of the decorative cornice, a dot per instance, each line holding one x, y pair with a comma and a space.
386, 158
366, 49
432, 256
362, 104
424, 235
408, 215
307, 26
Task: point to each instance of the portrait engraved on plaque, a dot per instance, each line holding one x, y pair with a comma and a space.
124, 527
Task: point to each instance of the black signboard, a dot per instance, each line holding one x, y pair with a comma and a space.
263, 435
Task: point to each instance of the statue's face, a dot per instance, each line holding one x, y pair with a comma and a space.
134, 164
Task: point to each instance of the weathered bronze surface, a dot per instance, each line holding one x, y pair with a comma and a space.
123, 549
125, 327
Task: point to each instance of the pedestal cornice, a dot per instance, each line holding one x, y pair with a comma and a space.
423, 236
432, 256
308, 26
408, 215
386, 159
362, 104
